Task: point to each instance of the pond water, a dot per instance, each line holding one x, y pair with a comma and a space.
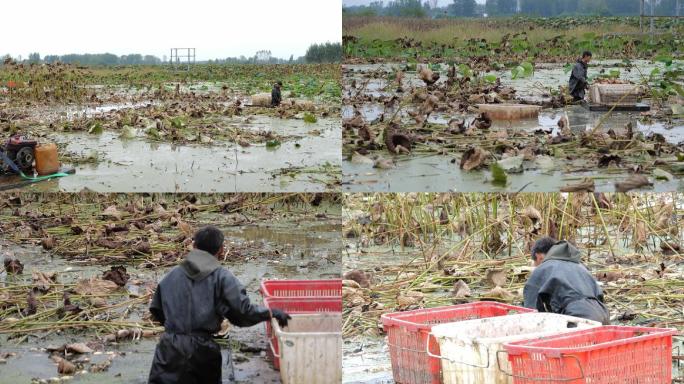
142, 165
309, 249
440, 173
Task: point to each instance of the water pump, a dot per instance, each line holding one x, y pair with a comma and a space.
21, 151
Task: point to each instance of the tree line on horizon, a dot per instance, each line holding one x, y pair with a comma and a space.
544, 8
316, 53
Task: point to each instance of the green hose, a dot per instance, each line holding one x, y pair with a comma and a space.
8, 161
41, 178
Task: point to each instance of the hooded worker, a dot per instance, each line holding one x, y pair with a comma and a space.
578, 78
562, 284
191, 301
276, 97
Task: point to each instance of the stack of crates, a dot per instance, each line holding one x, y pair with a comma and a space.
610, 354
310, 348
299, 297
409, 344
470, 349
488, 342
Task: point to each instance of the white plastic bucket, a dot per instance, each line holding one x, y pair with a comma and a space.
310, 349
470, 350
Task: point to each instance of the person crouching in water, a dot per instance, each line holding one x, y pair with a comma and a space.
561, 284
276, 97
191, 301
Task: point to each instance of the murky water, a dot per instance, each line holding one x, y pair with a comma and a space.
140, 165
438, 173
366, 358
309, 249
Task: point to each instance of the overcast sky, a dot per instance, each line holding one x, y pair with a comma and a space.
366, 2
218, 29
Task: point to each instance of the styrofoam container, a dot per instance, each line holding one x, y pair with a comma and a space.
510, 111
620, 94
310, 348
470, 349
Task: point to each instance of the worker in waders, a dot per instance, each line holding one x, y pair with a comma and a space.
578, 78
276, 97
560, 283
191, 301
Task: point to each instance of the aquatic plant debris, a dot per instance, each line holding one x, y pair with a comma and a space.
111, 120
82, 299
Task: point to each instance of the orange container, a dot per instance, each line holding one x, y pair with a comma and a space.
47, 162
609, 354
407, 336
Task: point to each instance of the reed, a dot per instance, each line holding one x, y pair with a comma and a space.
463, 236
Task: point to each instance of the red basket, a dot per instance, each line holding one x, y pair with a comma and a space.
610, 354
301, 288
407, 334
297, 305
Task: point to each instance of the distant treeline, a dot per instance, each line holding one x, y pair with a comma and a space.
317, 53
546, 8
97, 59
324, 53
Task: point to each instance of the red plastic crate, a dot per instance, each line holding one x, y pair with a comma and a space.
297, 305
301, 288
407, 334
610, 354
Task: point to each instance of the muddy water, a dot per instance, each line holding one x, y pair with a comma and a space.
436, 173
366, 358
140, 165
552, 76
308, 249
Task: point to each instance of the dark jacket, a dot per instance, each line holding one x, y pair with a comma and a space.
561, 284
276, 98
191, 301
578, 80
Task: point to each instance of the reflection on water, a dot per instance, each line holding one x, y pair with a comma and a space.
440, 173
140, 165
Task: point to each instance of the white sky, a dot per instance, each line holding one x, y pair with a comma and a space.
366, 2
218, 29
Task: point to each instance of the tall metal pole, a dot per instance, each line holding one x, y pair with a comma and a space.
652, 19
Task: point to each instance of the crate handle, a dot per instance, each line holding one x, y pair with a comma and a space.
579, 365
270, 344
427, 349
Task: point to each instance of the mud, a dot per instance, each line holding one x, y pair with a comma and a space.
366, 357
308, 247
430, 172
307, 162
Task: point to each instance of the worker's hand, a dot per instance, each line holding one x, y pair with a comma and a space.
281, 316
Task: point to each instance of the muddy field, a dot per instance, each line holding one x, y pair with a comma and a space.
504, 40
155, 129
409, 251
403, 133
81, 268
